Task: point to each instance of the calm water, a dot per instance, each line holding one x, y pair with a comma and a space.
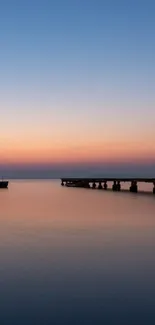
76, 256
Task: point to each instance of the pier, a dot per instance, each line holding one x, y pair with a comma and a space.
102, 183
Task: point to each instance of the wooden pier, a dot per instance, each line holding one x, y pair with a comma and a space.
102, 183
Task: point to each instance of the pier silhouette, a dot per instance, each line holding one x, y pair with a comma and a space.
102, 183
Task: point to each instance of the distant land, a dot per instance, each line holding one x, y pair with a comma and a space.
58, 171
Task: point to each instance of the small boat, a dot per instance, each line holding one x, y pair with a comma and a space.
78, 184
4, 184
70, 185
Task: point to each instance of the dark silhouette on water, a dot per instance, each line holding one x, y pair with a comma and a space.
102, 183
3, 184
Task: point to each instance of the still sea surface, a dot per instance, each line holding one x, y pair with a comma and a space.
76, 256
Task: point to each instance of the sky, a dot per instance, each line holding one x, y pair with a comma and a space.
77, 82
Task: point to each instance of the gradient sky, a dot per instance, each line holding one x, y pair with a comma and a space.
77, 81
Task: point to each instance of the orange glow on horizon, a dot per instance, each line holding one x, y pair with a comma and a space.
47, 152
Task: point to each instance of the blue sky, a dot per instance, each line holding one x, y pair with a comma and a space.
77, 72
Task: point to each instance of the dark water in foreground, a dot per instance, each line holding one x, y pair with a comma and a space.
76, 256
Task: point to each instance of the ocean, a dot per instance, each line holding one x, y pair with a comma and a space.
76, 256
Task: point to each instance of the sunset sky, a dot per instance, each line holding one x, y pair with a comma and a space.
77, 81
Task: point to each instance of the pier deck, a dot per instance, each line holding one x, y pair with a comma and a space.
109, 179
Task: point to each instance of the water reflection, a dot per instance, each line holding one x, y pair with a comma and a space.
71, 256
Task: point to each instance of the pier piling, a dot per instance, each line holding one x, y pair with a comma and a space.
118, 186
100, 186
105, 186
114, 187
153, 187
134, 187
94, 185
